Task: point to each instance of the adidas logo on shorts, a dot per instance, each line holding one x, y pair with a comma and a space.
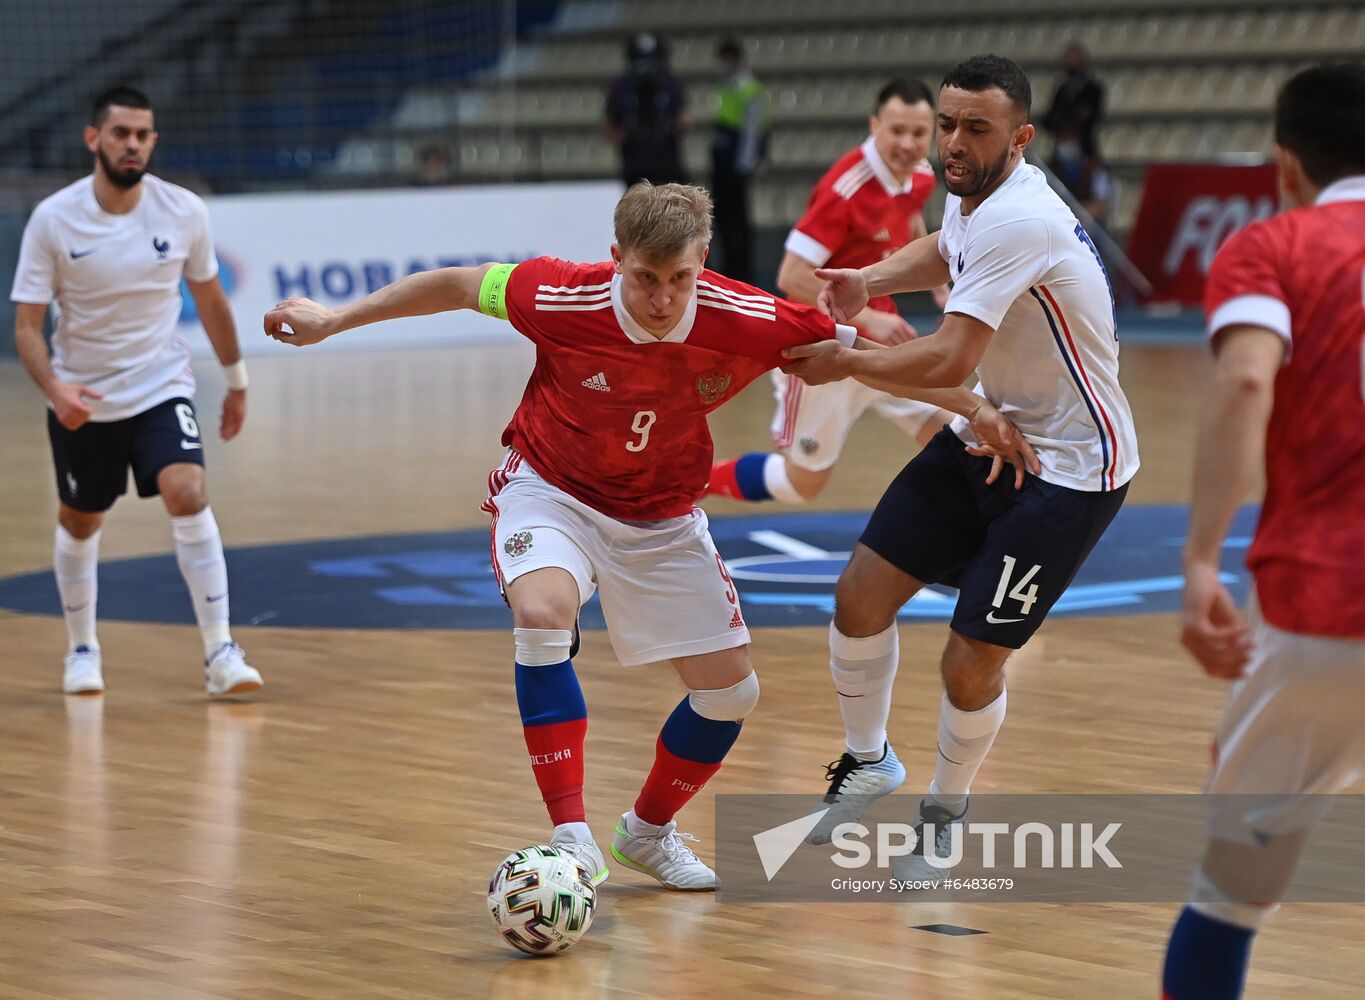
598, 382
738, 620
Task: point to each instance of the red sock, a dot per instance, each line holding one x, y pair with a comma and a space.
671, 784
723, 482
557, 762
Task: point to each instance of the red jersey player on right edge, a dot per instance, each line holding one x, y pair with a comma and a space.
1286, 307
608, 452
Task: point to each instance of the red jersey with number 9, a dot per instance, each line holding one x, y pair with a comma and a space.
616, 417
1302, 275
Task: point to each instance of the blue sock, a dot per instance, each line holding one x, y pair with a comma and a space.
1206, 959
546, 695
749, 476
554, 720
693, 737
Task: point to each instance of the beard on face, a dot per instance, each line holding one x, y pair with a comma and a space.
124, 177
979, 179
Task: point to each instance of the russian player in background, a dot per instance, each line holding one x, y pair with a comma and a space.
608, 452
865, 208
1032, 314
111, 249
1286, 316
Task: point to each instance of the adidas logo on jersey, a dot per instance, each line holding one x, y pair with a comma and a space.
882, 235
598, 382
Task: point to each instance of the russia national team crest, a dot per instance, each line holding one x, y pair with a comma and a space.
518, 544
711, 387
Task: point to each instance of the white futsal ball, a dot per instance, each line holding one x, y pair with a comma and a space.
541, 900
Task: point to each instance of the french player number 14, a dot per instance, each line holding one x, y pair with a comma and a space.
644, 420
1026, 598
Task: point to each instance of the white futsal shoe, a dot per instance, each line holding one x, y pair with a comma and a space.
853, 786
226, 672
664, 856
588, 855
82, 673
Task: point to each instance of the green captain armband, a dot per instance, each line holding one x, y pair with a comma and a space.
493, 291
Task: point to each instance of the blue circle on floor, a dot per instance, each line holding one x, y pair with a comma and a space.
785, 565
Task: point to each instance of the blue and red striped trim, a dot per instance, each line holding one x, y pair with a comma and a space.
1061, 332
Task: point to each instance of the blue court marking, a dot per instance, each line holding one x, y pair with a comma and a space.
785, 565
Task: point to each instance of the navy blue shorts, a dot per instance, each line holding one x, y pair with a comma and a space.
1010, 553
92, 462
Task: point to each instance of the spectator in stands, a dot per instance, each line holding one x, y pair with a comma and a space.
1078, 106
434, 166
738, 140
1084, 175
646, 114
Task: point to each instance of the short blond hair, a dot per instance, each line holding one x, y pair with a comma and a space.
660, 222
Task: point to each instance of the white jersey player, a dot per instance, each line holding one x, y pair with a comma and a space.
110, 250
1031, 313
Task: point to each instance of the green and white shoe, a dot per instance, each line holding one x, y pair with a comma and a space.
663, 855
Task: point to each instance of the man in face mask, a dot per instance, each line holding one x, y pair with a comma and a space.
646, 114
1078, 105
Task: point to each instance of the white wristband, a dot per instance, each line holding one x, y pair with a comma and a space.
236, 374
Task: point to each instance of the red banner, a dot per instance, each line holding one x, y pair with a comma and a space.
1187, 211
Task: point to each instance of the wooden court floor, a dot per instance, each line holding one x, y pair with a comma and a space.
333, 838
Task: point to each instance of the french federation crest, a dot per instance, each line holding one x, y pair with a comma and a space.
518, 544
711, 387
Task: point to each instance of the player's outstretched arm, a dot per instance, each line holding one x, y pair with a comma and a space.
302, 321
1231, 442
916, 267
942, 361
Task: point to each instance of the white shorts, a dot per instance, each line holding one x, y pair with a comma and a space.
1292, 726
812, 421
665, 591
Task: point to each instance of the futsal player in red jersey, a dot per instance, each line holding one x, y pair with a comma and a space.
867, 206
1286, 307
607, 454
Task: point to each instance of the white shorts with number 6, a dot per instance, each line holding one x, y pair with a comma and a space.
664, 589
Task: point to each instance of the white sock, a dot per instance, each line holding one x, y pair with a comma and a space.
964, 739
637, 827
864, 670
571, 833
199, 551
75, 561
777, 482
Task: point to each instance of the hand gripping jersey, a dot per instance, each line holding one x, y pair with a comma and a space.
616, 417
1302, 276
859, 213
